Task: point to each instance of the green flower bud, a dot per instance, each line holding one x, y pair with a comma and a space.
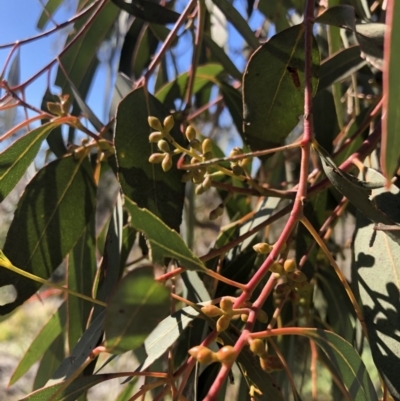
206, 146
195, 144
203, 354
263, 248
237, 170
211, 311
156, 158
297, 276
190, 133
155, 136
167, 162
168, 123
223, 323
227, 354
163, 145
289, 265
154, 123
276, 268
218, 212
257, 346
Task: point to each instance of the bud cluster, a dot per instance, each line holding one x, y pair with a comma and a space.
162, 137
226, 312
225, 355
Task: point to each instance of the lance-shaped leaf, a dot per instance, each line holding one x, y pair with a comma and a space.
176, 89
148, 11
87, 343
50, 217
376, 268
347, 363
80, 60
390, 151
79, 386
136, 307
146, 184
81, 270
15, 160
163, 241
273, 88
40, 344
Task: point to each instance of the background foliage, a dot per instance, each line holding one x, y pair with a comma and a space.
209, 228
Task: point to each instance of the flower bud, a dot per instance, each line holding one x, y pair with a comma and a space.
156, 158
168, 123
245, 162
195, 144
276, 268
206, 146
206, 184
154, 123
289, 265
263, 248
223, 323
207, 156
166, 164
190, 133
155, 136
297, 276
163, 145
236, 152
203, 354
257, 346
282, 289
237, 170
262, 316
227, 354
211, 311
244, 317
218, 212
198, 176
226, 304
103, 144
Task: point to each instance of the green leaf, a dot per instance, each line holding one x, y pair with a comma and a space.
347, 362
80, 61
55, 139
176, 88
49, 10
342, 16
135, 308
87, 343
123, 86
163, 241
81, 270
52, 358
390, 150
222, 58
268, 119
340, 66
40, 344
51, 216
237, 20
111, 256
72, 392
276, 12
148, 11
15, 160
146, 184
376, 267
233, 101
166, 333
370, 37
357, 192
